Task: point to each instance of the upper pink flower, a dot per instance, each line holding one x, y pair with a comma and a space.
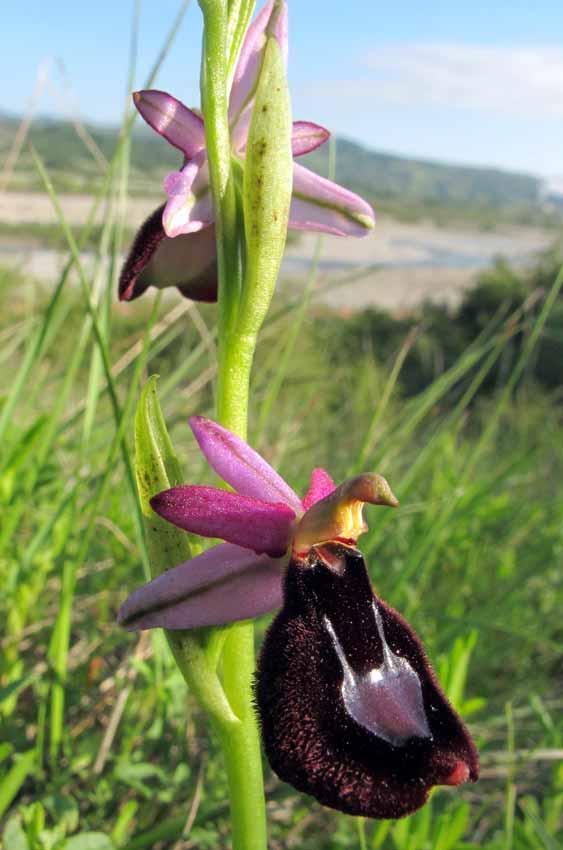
176, 245
263, 522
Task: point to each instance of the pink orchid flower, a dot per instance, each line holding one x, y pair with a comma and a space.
350, 709
176, 245
263, 522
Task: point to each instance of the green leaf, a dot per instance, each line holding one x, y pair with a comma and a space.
421, 822
451, 828
64, 811
380, 833
34, 820
13, 837
15, 778
122, 826
157, 468
27, 444
165, 831
14, 688
89, 841
134, 775
460, 656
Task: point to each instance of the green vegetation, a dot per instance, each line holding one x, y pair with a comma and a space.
101, 745
438, 337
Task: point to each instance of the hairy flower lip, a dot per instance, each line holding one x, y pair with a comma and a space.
351, 710
187, 262
460, 775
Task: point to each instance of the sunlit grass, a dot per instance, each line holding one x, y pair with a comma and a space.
98, 719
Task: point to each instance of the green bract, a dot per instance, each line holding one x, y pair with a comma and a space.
157, 466
267, 186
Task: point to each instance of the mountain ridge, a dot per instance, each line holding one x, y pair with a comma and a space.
398, 183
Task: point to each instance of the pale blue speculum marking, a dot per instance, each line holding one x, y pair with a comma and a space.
387, 700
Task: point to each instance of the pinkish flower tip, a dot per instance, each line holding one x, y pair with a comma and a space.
307, 136
181, 127
240, 465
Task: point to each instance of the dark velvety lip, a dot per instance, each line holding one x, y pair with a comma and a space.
148, 238
351, 710
187, 262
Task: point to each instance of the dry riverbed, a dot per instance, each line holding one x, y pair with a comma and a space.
397, 267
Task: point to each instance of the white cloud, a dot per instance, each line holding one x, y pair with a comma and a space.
521, 81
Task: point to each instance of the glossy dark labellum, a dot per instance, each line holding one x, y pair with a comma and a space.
351, 711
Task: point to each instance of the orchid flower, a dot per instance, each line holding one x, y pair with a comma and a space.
263, 522
351, 711
176, 245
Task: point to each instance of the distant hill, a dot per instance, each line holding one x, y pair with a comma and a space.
392, 177
406, 187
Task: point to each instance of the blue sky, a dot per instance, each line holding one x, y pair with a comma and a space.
471, 82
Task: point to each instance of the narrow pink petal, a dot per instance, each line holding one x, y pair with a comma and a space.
250, 60
188, 262
189, 207
321, 485
307, 136
252, 523
172, 120
224, 584
240, 466
323, 206
180, 217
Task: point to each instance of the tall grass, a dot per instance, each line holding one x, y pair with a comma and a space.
93, 723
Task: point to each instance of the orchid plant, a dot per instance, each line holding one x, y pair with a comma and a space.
176, 245
350, 709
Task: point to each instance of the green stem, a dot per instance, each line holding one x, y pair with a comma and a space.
203, 682
215, 104
241, 744
240, 741
233, 383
